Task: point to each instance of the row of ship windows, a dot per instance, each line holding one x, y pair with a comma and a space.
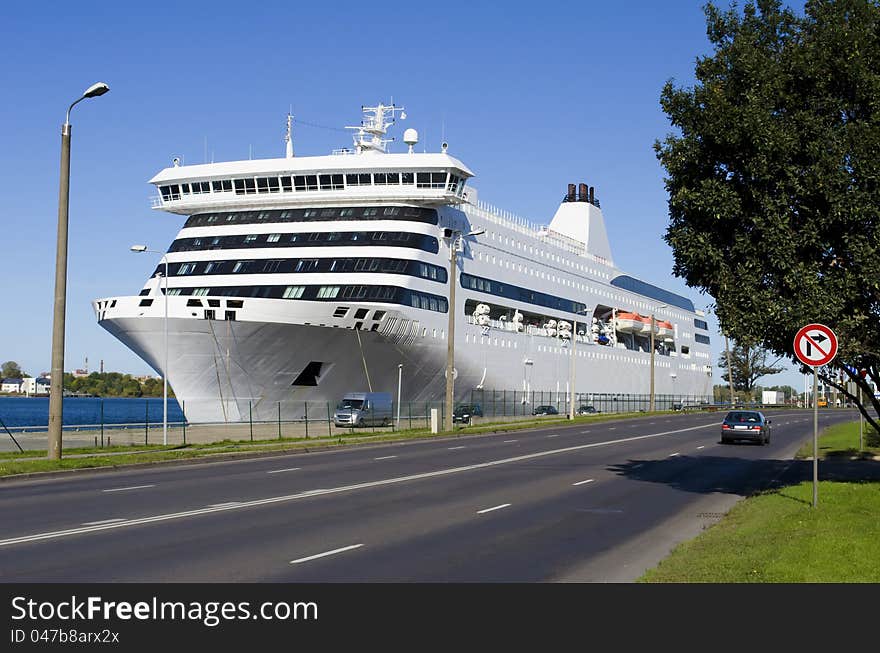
299, 183
536, 251
312, 239
384, 294
272, 266
408, 213
585, 287
517, 293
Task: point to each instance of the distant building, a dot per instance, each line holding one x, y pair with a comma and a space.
10, 385
80, 373
772, 397
35, 386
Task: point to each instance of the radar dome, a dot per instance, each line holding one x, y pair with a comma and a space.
410, 136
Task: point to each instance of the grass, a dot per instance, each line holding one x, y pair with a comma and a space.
778, 537
843, 440
12, 463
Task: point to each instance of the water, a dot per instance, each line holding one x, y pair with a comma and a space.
34, 411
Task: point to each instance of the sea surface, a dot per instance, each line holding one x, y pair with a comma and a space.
78, 411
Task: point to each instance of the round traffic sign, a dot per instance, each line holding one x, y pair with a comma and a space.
815, 345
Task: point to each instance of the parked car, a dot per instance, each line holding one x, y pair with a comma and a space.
363, 409
465, 412
545, 410
587, 410
745, 425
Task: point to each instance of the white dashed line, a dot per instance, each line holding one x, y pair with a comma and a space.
326, 553
503, 505
589, 480
555, 435
103, 521
123, 489
507, 441
584, 431
674, 454
384, 457
702, 446
454, 448
289, 469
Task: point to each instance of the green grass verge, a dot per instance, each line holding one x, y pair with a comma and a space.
778, 537
843, 440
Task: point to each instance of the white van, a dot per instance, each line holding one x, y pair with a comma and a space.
363, 409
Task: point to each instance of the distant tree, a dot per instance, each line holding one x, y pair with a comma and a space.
774, 204
749, 364
11, 370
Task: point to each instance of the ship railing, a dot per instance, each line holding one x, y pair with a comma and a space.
508, 326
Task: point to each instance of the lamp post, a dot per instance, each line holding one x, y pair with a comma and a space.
455, 239
571, 393
56, 383
139, 249
399, 384
651, 402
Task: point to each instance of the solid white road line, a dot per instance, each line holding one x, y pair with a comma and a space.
589, 480
454, 448
224, 504
326, 553
103, 521
503, 505
346, 488
384, 457
123, 489
289, 469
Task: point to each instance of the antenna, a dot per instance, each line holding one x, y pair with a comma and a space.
288, 137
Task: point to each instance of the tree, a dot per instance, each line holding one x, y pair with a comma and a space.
11, 370
774, 201
749, 363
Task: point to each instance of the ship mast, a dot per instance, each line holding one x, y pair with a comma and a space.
288, 140
377, 120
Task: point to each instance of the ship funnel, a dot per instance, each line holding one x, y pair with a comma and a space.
582, 192
570, 197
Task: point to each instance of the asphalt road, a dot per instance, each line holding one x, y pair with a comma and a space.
596, 502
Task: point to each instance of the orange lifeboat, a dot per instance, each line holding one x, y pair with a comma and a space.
628, 322
666, 331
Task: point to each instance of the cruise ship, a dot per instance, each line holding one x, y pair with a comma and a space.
300, 278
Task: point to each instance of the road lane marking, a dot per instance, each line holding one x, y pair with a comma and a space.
674, 454
224, 504
506, 441
346, 488
325, 554
613, 428
384, 457
103, 521
454, 448
555, 435
702, 446
503, 505
123, 489
584, 431
589, 480
289, 469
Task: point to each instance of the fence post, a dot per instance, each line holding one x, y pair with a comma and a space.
251, 418
183, 409
102, 422
146, 421
410, 414
306, 416
329, 425
372, 418
279, 420
426, 414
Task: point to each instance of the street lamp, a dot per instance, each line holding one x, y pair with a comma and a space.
656, 308
455, 239
56, 383
139, 249
571, 392
399, 384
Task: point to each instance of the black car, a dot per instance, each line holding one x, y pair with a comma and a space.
745, 425
586, 410
545, 410
464, 412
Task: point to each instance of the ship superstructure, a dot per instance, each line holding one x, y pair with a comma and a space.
302, 278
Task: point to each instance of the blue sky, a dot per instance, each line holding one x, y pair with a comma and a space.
531, 96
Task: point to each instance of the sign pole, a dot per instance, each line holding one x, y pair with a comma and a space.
815, 437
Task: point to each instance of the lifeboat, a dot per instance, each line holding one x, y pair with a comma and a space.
646, 325
628, 322
666, 331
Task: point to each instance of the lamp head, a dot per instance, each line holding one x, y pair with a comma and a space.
476, 232
139, 248
96, 89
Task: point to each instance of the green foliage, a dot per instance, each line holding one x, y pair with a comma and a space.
11, 370
774, 200
114, 384
748, 363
